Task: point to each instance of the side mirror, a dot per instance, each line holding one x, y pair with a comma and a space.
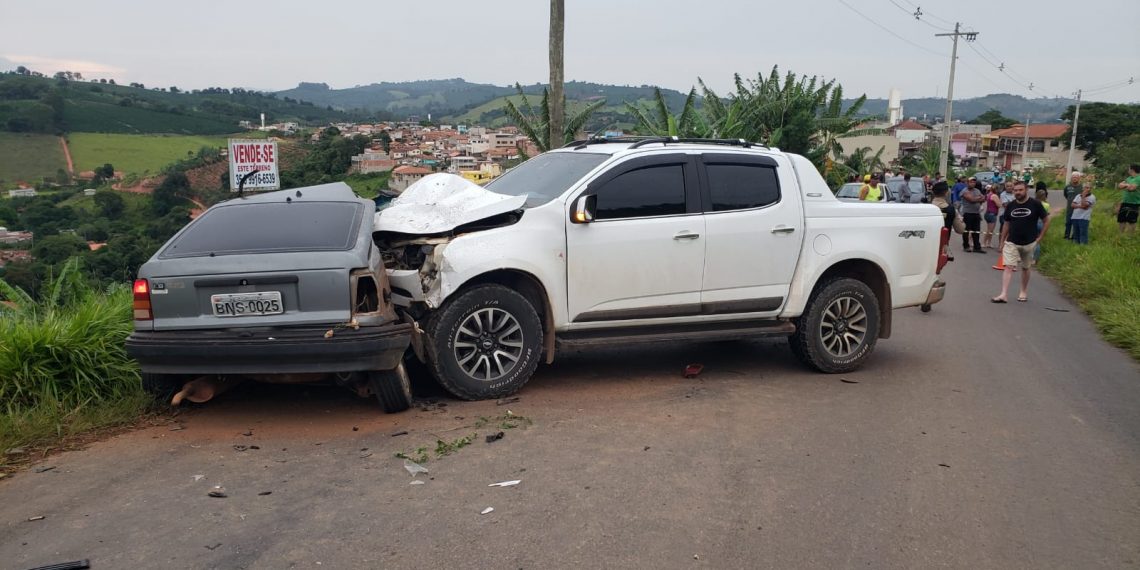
583, 210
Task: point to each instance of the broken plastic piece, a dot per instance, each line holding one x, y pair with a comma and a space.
218, 492
36, 518
414, 468
417, 482
495, 437
487, 510
199, 477
692, 370
846, 381
264, 493
506, 483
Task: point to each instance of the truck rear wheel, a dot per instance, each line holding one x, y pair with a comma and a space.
484, 343
839, 327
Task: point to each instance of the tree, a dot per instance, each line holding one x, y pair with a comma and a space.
535, 124
58, 248
557, 111
106, 171
170, 193
662, 122
110, 204
1102, 122
994, 119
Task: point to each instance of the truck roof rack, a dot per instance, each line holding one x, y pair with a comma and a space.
667, 140
580, 144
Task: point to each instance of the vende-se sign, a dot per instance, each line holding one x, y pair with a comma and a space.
254, 155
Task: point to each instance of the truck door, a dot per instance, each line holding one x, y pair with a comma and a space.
754, 228
642, 255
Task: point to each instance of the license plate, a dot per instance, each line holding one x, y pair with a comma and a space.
247, 304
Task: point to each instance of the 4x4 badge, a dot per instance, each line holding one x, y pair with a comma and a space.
906, 234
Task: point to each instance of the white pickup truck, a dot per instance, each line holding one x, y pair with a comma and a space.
659, 239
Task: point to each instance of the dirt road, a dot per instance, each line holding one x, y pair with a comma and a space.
978, 437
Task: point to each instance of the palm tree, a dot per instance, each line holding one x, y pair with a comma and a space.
661, 122
557, 111
535, 124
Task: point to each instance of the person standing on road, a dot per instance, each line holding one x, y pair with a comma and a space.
1005, 197
872, 191
956, 192
1071, 191
1019, 236
1082, 207
972, 200
993, 206
1129, 201
1042, 196
938, 193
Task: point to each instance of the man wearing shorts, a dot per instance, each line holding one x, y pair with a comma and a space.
1019, 235
1129, 200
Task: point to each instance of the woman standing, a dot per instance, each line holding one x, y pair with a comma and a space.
993, 204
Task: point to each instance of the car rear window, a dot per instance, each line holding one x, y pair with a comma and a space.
269, 228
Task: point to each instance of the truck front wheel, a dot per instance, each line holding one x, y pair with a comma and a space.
484, 343
839, 327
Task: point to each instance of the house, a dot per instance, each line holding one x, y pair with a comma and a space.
404, 176
910, 132
889, 144
371, 161
12, 236
22, 193
1005, 148
15, 255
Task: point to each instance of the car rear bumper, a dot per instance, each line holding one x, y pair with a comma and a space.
280, 351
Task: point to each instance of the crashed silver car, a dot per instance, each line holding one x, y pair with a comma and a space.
283, 287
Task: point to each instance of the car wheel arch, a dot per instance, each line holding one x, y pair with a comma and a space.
532, 288
873, 276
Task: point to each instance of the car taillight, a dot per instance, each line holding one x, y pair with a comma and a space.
943, 252
142, 300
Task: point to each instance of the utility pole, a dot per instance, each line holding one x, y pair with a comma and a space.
1073, 140
1025, 147
944, 157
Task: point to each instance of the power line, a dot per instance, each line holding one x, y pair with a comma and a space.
919, 9
890, 31
918, 14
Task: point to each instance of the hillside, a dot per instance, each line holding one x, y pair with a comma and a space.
1012, 106
28, 157
46, 105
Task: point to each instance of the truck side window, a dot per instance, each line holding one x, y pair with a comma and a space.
741, 186
650, 191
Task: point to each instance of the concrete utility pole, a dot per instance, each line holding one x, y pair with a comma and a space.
1073, 140
944, 157
1025, 146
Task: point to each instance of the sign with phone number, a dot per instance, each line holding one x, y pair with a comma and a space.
258, 156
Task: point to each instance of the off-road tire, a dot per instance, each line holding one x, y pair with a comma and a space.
393, 388
444, 325
924, 308
807, 343
162, 387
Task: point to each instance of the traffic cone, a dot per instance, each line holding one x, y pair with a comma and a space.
1001, 263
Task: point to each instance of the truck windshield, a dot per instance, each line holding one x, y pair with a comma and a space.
546, 176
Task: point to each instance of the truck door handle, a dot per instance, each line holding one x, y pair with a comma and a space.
686, 235
783, 230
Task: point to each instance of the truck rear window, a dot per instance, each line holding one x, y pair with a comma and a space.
269, 228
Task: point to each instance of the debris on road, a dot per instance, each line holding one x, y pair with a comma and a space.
506, 483
218, 492
365, 454
199, 477
177, 428
73, 565
848, 381
414, 468
1056, 310
264, 493
692, 370
646, 448
417, 482
943, 465
487, 510
495, 437
399, 433
45, 469
214, 547
241, 447
505, 401
36, 518
247, 433
354, 428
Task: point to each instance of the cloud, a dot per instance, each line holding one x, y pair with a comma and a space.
50, 65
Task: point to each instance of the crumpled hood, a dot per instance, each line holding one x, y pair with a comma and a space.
441, 202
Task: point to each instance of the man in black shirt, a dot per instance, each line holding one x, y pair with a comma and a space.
1020, 236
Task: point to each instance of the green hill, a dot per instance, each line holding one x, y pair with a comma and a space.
28, 157
47, 105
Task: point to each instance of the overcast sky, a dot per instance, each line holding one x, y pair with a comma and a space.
1055, 45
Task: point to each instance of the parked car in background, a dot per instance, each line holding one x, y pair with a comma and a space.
915, 190
985, 177
280, 287
850, 193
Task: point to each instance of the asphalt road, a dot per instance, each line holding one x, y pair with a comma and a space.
981, 436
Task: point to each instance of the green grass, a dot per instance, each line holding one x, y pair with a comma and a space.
26, 157
1101, 277
63, 367
100, 117
135, 154
368, 185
